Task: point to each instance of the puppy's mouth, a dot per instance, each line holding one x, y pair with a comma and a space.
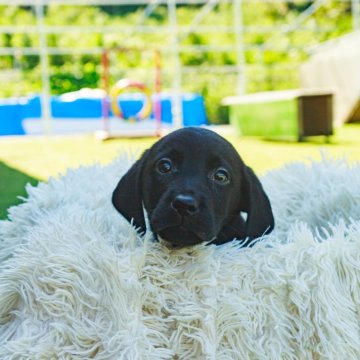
180, 236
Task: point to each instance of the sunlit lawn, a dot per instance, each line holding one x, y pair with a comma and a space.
29, 159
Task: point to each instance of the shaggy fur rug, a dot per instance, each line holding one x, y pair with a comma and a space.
77, 282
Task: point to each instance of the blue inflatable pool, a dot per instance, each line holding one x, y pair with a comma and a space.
79, 112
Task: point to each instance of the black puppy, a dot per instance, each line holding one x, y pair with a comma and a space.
194, 185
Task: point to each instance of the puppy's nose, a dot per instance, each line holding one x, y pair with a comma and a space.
185, 205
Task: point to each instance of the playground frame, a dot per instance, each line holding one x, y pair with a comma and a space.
106, 85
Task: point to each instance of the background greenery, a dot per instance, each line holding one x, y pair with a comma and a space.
274, 49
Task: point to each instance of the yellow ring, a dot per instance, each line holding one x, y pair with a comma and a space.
119, 88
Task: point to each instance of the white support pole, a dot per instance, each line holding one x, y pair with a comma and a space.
152, 5
239, 45
176, 103
205, 10
305, 15
44, 65
355, 11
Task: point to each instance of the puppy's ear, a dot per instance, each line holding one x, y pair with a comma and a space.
127, 196
260, 219
256, 204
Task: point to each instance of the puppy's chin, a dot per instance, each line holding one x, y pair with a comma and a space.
179, 236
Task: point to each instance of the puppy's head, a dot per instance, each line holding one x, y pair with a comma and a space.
194, 185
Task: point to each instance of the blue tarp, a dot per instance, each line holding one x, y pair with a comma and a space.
14, 110
11, 116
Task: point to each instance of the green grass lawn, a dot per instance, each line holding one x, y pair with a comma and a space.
33, 159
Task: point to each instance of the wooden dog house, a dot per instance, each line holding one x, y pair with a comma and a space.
290, 113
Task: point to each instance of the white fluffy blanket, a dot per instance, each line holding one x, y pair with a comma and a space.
76, 282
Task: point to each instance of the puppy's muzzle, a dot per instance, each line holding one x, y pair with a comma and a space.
182, 224
185, 205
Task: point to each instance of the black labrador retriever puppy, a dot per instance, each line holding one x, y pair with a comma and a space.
194, 187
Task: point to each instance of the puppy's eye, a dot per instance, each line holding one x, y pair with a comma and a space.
164, 166
221, 176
